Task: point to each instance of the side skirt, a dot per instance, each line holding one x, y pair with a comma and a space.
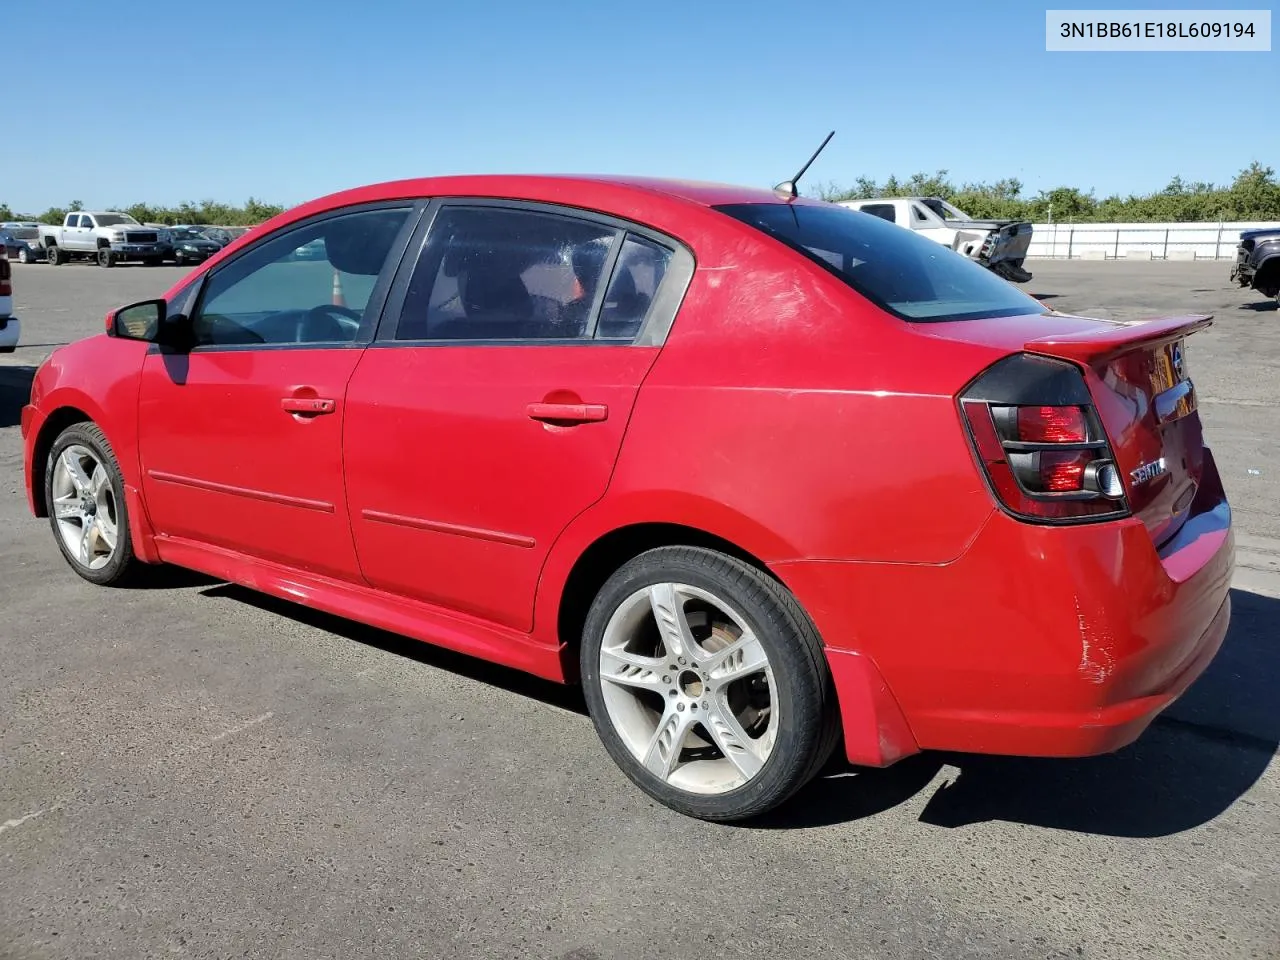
410, 618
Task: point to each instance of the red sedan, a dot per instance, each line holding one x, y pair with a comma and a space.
765, 475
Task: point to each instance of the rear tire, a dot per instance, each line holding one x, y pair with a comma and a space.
55, 256
84, 492
707, 683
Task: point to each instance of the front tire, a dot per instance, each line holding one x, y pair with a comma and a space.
24, 255
106, 257
707, 683
84, 492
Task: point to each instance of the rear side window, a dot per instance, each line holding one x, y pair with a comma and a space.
491, 273
882, 210
641, 266
911, 276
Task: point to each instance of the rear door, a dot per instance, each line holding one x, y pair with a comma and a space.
79, 235
490, 410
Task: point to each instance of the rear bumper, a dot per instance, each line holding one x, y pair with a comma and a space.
1038, 641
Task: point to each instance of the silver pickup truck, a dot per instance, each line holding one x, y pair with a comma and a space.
105, 236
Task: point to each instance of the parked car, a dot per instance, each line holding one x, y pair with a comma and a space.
768, 477
21, 240
189, 245
999, 245
223, 235
10, 327
107, 237
1258, 261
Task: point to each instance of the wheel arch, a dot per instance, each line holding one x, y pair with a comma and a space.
578, 568
57, 421
1267, 276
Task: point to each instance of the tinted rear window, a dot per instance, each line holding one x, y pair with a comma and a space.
913, 277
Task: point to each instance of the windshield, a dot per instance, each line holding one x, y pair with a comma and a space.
23, 233
186, 233
910, 276
111, 219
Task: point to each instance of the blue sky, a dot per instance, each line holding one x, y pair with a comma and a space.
286, 101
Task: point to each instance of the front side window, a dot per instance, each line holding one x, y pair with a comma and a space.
491, 273
911, 276
113, 219
270, 295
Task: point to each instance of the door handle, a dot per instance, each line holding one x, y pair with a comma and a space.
567, 412
308, 406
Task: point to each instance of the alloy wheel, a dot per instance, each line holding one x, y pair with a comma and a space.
688, 688
84, 506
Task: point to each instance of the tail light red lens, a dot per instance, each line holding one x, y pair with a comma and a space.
1040, 444
6, 273
1062, 472
1052, 425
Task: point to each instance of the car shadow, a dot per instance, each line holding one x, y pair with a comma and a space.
1194, 762
515, 681
1045, 296
163, 576
1262, 306
15, 391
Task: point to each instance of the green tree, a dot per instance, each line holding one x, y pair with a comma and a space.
1253, 195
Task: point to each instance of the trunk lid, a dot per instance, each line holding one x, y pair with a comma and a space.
1012, 242
1138, 377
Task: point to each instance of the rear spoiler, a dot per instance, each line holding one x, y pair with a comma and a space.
1095, 345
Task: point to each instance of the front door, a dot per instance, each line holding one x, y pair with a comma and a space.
491, 409
241, 435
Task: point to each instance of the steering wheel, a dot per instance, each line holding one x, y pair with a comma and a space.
347, 318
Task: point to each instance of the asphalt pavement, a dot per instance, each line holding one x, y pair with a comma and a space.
194, 770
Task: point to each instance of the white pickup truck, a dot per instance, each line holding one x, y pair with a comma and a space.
999, 245
105, 236
9, 326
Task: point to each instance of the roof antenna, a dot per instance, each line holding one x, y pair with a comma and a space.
787, 189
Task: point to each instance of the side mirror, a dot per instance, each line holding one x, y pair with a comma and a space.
138, 321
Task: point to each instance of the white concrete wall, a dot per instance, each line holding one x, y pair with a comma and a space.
1155, 241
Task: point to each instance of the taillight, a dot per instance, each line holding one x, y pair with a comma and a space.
1040, 444
6, 274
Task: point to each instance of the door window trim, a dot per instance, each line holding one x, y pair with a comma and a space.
652, 333
193, 296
